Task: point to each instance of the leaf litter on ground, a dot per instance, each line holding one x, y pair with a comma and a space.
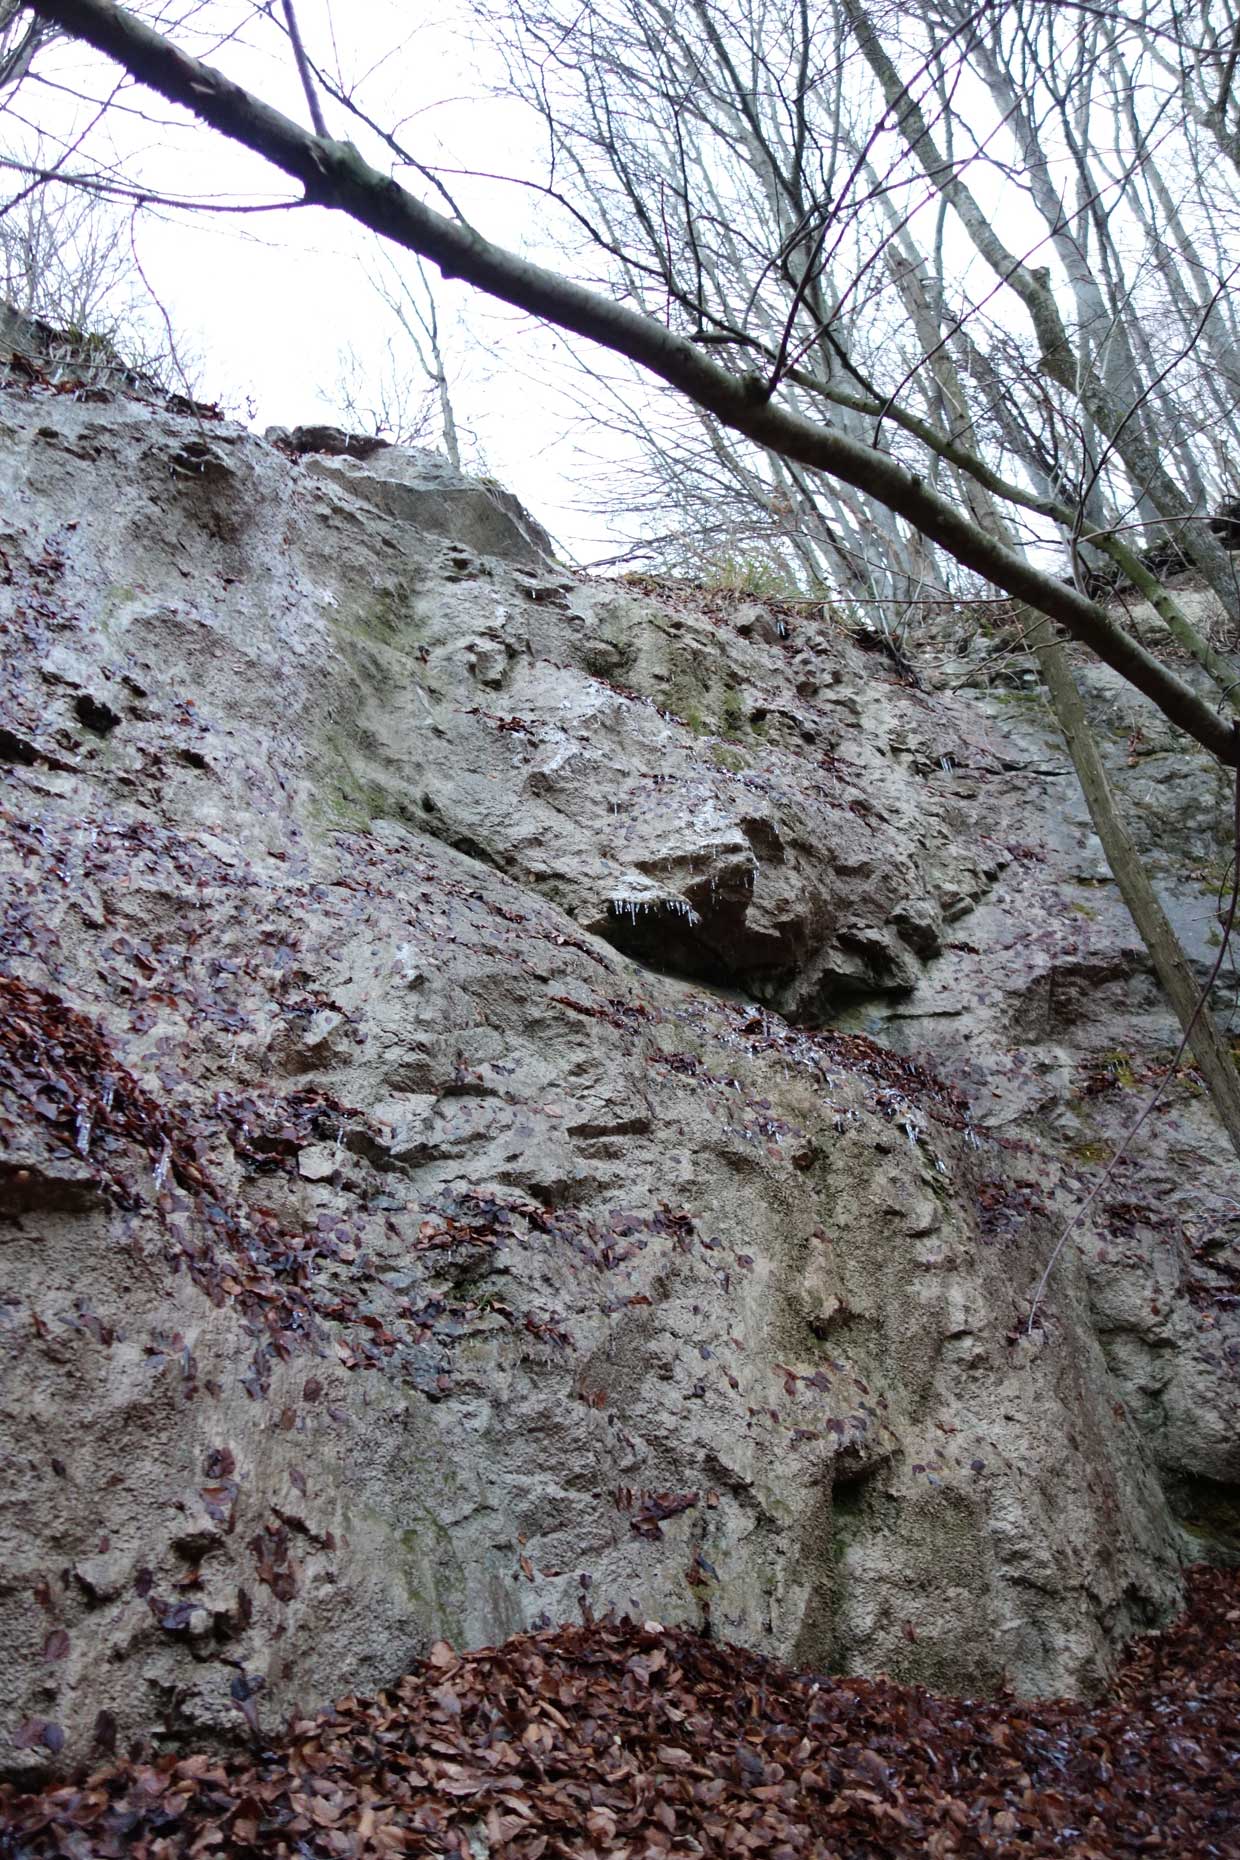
642, 1742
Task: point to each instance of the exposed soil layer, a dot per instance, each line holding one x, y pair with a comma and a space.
633, 1739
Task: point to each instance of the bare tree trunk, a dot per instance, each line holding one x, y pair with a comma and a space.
1171, 966
451, 442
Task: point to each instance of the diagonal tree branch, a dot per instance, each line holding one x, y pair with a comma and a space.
335, 175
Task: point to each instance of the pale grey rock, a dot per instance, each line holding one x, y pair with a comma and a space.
103, 1577
410, 854
318, 1162
421, 489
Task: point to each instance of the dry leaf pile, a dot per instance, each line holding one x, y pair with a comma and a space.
627, 1739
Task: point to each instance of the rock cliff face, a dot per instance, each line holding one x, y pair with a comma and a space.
521, 1096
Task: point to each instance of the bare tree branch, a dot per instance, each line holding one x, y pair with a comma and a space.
303, 68
335, 175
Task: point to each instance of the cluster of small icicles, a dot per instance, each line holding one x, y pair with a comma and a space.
675, 906
633, 908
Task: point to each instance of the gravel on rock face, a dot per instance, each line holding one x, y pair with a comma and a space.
631, 1739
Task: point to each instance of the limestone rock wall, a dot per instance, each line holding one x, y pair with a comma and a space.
447, 1180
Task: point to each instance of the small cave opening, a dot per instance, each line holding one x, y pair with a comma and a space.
699, 933
1209, 1511
850, 1491
95, 715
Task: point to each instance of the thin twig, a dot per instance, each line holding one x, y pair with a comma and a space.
303, 68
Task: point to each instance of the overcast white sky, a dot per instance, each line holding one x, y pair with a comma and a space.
270, 301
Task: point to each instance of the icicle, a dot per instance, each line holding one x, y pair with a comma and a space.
81, 1129
107, 1091
161, 1167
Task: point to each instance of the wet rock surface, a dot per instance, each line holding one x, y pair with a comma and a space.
422, 1214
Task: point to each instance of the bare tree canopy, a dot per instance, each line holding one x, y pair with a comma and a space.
20, 38
785, 190
785, 379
